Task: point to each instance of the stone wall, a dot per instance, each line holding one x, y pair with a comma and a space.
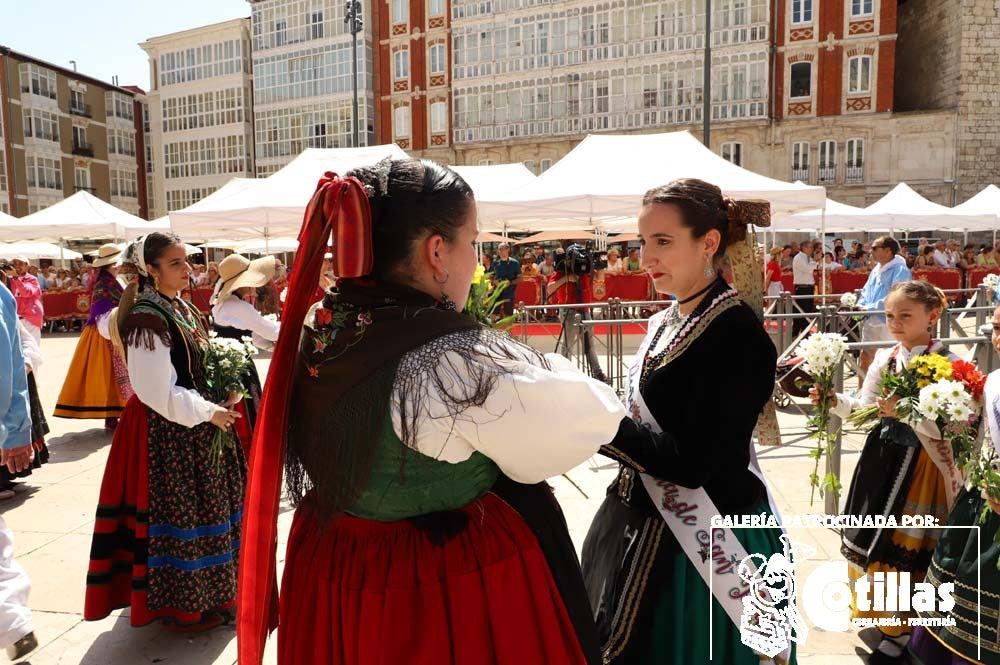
979, 98
928, 67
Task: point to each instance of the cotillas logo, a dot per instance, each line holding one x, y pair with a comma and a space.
771, 621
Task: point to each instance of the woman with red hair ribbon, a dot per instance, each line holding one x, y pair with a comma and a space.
424, 532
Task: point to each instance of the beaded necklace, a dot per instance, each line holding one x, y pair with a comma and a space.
681, 326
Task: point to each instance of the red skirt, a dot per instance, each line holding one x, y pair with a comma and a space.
362, 592
117, 576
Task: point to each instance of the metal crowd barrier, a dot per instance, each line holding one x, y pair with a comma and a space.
578, 323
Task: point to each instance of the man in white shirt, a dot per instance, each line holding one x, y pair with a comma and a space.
200, 276
942, 259
803, 268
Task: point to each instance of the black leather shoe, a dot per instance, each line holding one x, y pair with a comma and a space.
22, 647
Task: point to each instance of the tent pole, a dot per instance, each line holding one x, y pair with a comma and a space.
822, 260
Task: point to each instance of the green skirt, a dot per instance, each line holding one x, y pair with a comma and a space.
968, 559
679, 631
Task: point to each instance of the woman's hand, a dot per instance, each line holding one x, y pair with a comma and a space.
234, 397
993, 503
224, 418
814, 396
887, 406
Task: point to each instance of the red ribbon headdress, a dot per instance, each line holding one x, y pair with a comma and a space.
339, 207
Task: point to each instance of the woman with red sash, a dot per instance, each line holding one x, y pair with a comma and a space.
423, 530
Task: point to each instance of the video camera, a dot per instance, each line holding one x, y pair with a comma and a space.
580, 260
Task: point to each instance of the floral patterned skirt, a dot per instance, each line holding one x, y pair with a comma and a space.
166, 541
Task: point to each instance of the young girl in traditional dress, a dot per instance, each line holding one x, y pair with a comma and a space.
901, 471
234, 317
967, 557
91, 387
167, 537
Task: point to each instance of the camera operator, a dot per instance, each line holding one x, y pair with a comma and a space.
507, 268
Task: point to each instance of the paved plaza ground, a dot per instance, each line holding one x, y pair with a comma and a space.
53, 520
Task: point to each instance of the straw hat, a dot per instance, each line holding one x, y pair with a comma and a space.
107, 255
776, 250
237, 271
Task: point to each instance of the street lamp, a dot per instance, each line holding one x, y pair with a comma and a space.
706, 92
352, 20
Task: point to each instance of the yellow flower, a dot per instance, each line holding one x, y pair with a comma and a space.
479, 276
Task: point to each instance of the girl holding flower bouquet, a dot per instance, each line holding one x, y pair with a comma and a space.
970, 557
234, 317
167, 536
901, 470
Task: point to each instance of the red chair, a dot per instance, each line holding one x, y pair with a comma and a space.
529, 290
944, 278
628, 287
844, 281
974, 277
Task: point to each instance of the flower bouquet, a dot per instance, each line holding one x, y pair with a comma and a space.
983, 471
226, 363
849, 300
484, 299
946, 392
992, 284
822, 354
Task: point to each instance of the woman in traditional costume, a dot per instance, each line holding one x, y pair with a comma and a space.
901, 471
91, 388
967, 556
235, 317
423, 532
687, 446
167, 537
39, 427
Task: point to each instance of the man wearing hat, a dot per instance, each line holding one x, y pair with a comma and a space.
92, 387
235, 317
28, 294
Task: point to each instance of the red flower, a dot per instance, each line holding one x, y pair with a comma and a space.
323, 316
970, 376
313, 371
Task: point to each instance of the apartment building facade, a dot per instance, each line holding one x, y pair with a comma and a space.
200, 115
61, 132
302, 69
413, 76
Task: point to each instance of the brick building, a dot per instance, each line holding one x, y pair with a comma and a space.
801, 89
413, 76
61, 132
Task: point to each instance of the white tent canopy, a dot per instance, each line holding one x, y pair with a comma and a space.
273, 206
605, 176
36, 250
986, 202
81, 215
839, 218
906, 210
6, 219
141, 227
495, 182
